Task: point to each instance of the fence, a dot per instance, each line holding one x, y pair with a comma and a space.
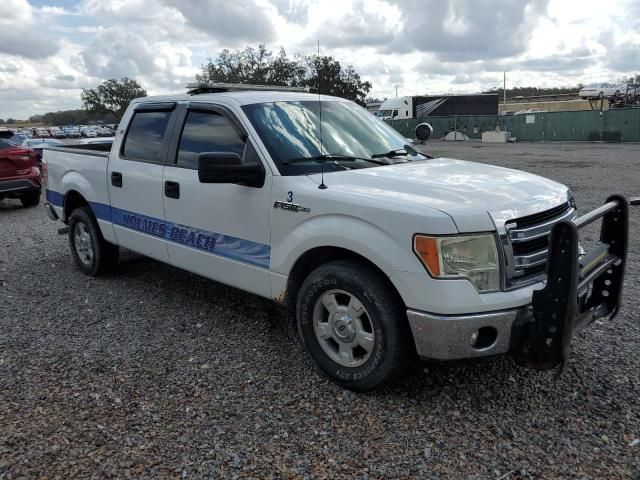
612, 125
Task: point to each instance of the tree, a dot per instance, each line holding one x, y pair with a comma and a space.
261, 66
633, 80
112, 96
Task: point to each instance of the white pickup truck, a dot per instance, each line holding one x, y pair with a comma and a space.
386, 255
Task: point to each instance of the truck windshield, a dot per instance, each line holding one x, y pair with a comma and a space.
291, 130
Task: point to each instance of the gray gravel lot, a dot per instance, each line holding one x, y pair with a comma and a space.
156, 372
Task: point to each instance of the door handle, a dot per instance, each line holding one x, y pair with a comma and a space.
116, 179
172, 189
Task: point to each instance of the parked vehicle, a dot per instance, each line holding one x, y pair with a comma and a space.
42, 133
88, 132
103, 132
19, 174
602, 90
18, 138
72, 132
37, 144
57, 132
384, 254
404, 108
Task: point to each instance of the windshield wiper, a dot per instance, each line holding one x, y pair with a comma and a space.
331, 158
398, 152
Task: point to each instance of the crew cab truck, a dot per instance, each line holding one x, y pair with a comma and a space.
385, 254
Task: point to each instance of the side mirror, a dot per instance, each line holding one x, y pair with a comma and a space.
227, 167
424, 131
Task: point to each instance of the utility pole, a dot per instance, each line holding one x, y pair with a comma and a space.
504, 90
396, 90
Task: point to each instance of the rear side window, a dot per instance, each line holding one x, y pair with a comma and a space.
206, 132
145, 135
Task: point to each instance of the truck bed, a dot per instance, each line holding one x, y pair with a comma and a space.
83, 170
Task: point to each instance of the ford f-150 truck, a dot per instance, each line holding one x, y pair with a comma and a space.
385, 254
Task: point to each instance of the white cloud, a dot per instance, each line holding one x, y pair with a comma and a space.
22, 33
423, 46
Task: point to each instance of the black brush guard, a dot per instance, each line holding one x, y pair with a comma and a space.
579, 289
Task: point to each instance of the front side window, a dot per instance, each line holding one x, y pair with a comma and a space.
145, 135
291, 131
207, 132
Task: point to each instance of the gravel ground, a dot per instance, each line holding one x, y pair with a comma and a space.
156, 372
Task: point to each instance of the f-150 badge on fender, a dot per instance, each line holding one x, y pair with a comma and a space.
292, 207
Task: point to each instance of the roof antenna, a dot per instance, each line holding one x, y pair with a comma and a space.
322, 185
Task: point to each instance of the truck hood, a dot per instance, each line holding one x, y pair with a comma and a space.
471, 193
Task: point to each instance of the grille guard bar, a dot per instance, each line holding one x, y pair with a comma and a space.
578, 291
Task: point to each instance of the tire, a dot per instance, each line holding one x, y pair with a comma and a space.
365, 316
92, 254
30, 199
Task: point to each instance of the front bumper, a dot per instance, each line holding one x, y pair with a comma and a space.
579, 290
449, 337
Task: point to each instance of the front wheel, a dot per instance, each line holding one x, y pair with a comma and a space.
92, 253
353, 325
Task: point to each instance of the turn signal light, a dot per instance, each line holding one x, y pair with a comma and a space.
427, 250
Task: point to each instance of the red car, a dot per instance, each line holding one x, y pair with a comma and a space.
19, 174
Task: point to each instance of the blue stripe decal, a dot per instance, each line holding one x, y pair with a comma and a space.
54, 198
238, 249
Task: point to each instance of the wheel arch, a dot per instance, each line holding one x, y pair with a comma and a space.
72, 200
318, 256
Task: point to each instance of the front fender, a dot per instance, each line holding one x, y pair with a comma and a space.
348, 232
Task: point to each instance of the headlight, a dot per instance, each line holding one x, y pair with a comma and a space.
474, 257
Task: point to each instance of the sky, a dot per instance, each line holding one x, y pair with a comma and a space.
51, 49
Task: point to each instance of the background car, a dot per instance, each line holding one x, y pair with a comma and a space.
72, 132
602, 90
57, 132
19, 173
88, 132
104, 131
42, 133
36, 145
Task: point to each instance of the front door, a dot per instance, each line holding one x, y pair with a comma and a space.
220, 231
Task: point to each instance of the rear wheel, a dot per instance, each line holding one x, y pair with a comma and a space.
91, 252
353, 325
30, 199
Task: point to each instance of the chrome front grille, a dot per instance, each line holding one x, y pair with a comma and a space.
525, 241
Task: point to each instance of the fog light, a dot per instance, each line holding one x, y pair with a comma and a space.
483, 338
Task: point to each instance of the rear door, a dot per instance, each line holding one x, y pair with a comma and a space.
134, 179
220, 231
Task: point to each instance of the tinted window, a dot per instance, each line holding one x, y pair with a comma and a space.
145, 135
207, 132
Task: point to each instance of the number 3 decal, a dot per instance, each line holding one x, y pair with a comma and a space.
290, 197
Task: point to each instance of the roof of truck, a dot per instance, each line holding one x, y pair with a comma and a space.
241, 97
